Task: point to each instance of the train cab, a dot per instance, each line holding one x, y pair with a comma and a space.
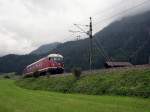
57, 61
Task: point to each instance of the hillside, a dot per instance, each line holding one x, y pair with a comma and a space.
124, 82
126, 39
15, 99
131, 36
45, 48
16, 63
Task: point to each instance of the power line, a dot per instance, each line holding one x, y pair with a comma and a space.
110, 8
78, 26
140, 48
101, 51
122, 12
90, 34
119, 4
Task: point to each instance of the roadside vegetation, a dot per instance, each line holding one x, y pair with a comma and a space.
16, 99
123, 82
12, 75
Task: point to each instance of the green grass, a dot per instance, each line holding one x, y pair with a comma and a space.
16, 99
124, 82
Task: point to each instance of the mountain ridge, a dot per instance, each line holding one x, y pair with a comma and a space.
45, 48
123, 39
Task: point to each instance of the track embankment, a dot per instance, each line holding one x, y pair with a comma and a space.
124, 82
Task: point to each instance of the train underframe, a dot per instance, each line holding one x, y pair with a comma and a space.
56, 71
50, 71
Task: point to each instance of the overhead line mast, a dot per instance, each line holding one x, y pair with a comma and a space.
90, 34
91, 43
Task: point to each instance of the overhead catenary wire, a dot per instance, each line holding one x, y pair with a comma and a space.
140, 48
102, 12
101, 50
113, 7
89, 33
97, 43
123, 12
80, 28
115, 15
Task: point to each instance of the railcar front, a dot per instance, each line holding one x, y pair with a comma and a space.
57, 63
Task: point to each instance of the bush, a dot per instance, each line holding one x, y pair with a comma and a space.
27, 76
77, 73
7, 77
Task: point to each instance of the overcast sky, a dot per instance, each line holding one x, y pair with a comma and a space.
27, 24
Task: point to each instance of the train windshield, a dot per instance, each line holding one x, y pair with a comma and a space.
57, 59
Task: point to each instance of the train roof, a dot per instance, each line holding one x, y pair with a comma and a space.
35, 62
55, 55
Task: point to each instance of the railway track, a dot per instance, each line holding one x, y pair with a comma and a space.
105, 70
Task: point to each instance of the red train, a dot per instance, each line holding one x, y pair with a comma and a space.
53, 64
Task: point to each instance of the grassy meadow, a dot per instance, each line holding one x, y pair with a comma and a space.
16, 99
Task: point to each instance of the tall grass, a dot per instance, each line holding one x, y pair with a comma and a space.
128, 82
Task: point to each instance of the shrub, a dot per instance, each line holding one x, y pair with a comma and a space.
27, 76
77, 73
7, 77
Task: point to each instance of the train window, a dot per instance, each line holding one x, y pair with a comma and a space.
56, 58
59, 59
